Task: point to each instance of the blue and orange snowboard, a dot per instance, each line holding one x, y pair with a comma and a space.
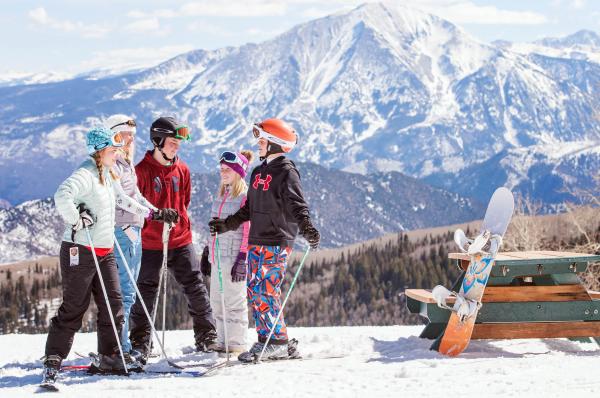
482, 251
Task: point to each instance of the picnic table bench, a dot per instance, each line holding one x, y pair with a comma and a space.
534, 294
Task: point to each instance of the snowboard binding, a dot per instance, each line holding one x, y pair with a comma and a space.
463, 307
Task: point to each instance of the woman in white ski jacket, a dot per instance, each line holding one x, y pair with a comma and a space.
86, 201
233, 247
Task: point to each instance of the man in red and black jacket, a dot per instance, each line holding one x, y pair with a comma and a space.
277, 211
164, 180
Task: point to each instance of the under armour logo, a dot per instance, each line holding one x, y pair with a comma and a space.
265, 183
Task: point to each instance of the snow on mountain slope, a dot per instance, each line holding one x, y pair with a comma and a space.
581, 45
382, 87
377, 362
347, 208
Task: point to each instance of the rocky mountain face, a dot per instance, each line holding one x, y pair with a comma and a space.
380, 88
346, 207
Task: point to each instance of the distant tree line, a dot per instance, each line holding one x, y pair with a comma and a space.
361, 287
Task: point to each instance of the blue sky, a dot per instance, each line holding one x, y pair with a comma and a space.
69, 36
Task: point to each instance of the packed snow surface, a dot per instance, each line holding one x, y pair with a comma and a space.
375, 362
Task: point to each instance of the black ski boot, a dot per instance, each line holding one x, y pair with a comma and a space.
141, 348
133, 365
51, 368
107, 364
139, 354
206, 340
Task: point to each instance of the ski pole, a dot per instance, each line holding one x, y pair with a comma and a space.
166, 233
139, 295
112, 319
163, 271
222, 296
283, 305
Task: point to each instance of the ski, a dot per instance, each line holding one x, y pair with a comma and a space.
89, 370
48, 386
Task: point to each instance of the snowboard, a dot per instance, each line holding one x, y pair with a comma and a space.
457, 335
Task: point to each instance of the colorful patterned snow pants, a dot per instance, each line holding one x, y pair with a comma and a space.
266, 270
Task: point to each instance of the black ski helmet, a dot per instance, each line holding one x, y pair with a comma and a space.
167, 126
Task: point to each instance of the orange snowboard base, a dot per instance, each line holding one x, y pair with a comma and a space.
457, 336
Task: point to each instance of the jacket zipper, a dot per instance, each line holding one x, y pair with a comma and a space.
218, 215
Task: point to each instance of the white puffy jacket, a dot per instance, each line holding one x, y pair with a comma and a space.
83, 186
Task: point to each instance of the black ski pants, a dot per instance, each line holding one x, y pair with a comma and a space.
185, 268
79, 281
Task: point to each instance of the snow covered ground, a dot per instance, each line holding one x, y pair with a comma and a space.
377, 362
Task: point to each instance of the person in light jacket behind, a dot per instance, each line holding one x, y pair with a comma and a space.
233, 250
131, 212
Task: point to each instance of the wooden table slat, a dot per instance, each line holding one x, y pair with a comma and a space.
531, 330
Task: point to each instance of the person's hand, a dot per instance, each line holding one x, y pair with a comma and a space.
238, 272
205, 265
169, 216
217, 226
85, 220
310, 233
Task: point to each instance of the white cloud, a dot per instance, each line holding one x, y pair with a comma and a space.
209, 28
470, 13
235, 8
146, 25
578, 4
215, 8
41, 17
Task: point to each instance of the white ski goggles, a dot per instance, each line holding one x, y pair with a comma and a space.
259, 132
117, 140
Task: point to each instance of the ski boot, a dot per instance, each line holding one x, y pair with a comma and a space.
206, 340
107, 364
233, 348
293, 352
133, 365
141, 348
272, 351
253, 353
51, 368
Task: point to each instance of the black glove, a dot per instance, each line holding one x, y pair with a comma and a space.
85, 220
169, 216
238, 271
218, 226
222, 225
310, 233
204, 263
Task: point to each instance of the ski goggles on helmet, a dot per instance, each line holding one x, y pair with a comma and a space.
130, 123
233, 158
259, 132
181, 132
117, 140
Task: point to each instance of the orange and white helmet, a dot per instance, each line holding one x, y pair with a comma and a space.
277, 132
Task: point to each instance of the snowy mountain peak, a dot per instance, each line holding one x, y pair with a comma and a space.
382, 87
581, 38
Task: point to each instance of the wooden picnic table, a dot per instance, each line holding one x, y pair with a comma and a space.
533, 294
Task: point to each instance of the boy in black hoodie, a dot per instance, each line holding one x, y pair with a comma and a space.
277, 211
